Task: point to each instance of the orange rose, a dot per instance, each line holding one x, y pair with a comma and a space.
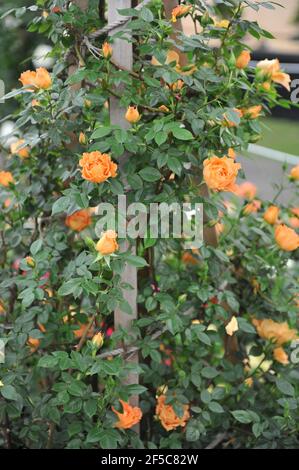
33, 343
280, 333
97, 167
164, 109
231, 153
176, 86
16, 150
271, 70
6, 178
79, 220
129, 417
82, 330
247, 190
189, 258
271, 215
281, 356
38, 79
107, 243
132, 115
243, 60
294, 175
180, 11
295, 211
286, 238
98, 340
167, 416
107, 50
253, 112
294, 222
220, 173
252, 207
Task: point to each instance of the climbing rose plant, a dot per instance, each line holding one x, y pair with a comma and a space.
217, 326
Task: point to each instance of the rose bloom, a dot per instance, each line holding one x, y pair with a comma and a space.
295, 211
107, 50
271, 69
82, 330
294, 222
281, 356
286, 238
107, 243
295, 173
231, 153
38, 79
253, 112
97, 167
180, 11
188, 258
280, 333
271, 215
132, 115
16, 150
167, 416
247, 190
252, 207
79, 220
33, 343
220, 173
130, 416
6, 178
243, 60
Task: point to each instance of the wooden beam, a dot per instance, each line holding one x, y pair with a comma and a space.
123, 55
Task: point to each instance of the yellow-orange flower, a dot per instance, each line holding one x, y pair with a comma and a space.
16, 150
180, 11
280, 333
286, 238
38, 79
220, 173
271, 70
176, 86
271, 215
295, 173
130, 416
82, 138
82, 331
167, 416
295, 211
6, 178
98, 340
189, 258
164, 109
132, 115
97, 167
243, 60
30, 261
280, 355
79, 220
294, 222
107, 50
107, 243
253, 112
252, 207
247, 190
221, 23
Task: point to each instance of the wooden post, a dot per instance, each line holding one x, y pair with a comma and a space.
123, 55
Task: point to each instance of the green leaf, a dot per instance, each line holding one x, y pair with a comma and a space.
36, 246
90, 407
101, 132
9, 392
136, 261
285, 387
209, 372
182, 134
48, 362
215, 407
135, 389
150, 174
146, 15
61, 205
242, 416
70, 286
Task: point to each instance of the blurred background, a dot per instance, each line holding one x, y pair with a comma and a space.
21, 50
